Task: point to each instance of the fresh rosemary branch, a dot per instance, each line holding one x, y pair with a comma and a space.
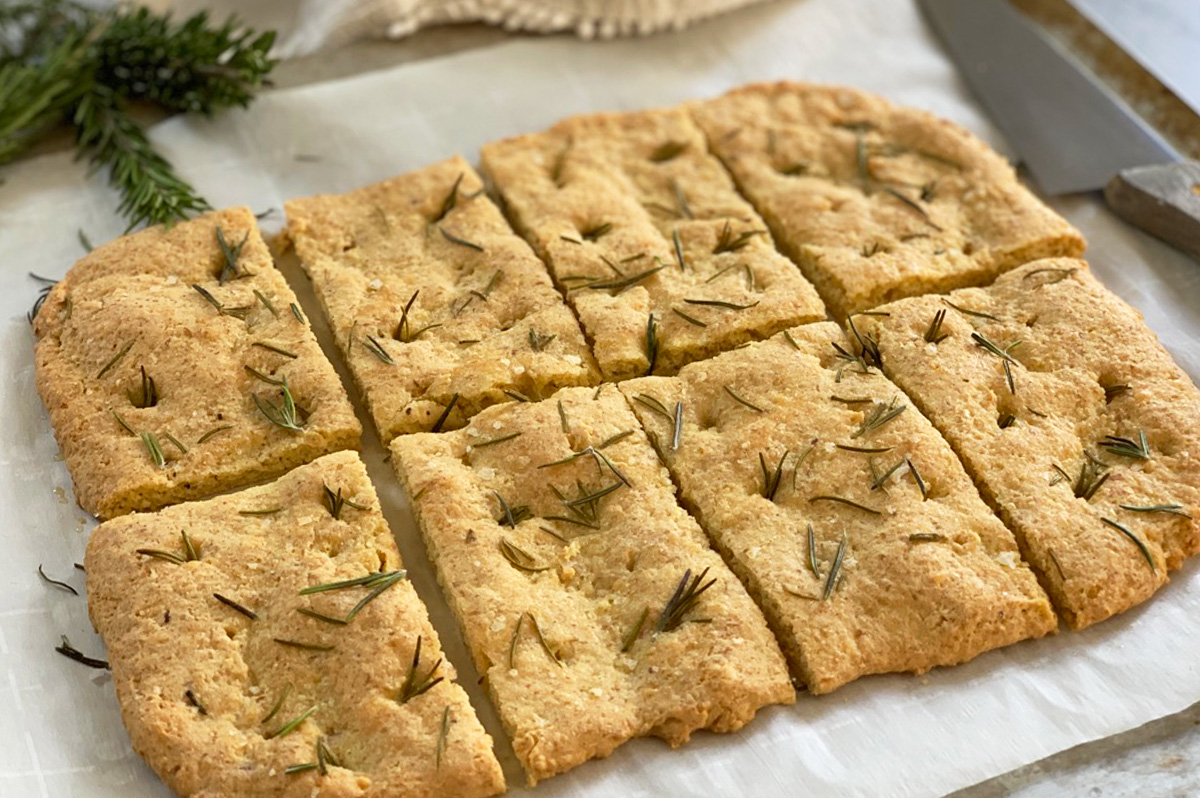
62, 61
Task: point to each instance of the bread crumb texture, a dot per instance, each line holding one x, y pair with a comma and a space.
877, 202
159, 359
845, 513
439, 308
1086, 443
591, 602
638, 222
225, 705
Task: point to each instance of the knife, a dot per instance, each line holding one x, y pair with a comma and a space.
1071, 131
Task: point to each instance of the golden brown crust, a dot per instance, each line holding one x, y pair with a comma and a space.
583, 585
167, 634
1079, 345
895, 602
877, 202
483, 323
134, 296
607, 193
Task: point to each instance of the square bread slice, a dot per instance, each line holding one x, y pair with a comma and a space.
877, 202
661, 258
440, 309
847, 516
176, 364
1073, 420
267, 643
590, 600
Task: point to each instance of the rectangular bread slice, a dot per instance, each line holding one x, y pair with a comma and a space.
440, 309
246, 665
847, 516
175, 366
1073, 420
590, 600
877, 202
639, 222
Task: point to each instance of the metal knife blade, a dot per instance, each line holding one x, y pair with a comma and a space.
1070, 130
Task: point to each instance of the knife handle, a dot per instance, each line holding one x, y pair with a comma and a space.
1163, 200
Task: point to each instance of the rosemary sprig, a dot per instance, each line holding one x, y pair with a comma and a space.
70, 652
404, 331
417, 683
835, 569
228, 602
372, 579
687, 594
335, 501
632, 635
1127, 447
1141, 544
847, 502
286, 414
868, 347
1173, 509
742, 401
771, 478
56, 583
934, 334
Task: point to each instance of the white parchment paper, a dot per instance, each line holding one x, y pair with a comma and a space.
882, 736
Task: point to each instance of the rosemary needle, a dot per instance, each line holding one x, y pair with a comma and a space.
278, 705
292, 724
70, 652
683, 600
416, 683
110, 365
742, 401
1141, 544
443, 733
632, 635
813, 565
235, 606
55, 582
835, 570
847, 502
437, 425
1173, 509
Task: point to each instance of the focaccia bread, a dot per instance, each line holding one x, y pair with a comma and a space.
877, 202
1074, 421
845, 513
439, 308
661, 258
175, 366
591, 602
267, 643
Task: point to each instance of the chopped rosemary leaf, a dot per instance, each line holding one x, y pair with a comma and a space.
689, 319
813, 564
835, 570
417, 683
864, 449
911, 203
443, 733
291, 725
1141, 544
298, 313
934, 334
652, 343
154, 448
55, 582
613, 439
681, 200
719, 303
437, 425
740, 400
562, 417
303, 645
462, 242
228, 602
276, 349
230, 256
369, 580
494, 441
682, 601
278, 705
379, 586
918, 479
70, 652
847, 502
787, 335
667, 150
771, 479
677, 423
1061, 274
594, 233
175, 442
1173, 509
1127, 447
147, 396
1092, 474
448, 203
880, 479
678, 244
728, 242
253, 372
266, 303
968, 312
372, 345
211, 433
987, 345
110, 365
624, 282
237, 313
879, 415
285, 414
519, 558
539, 342
1113, 391
124, 424
301, 767
632, 635
320, 616
869, 353
926, 537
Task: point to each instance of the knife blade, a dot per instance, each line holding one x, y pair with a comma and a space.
1069, 129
